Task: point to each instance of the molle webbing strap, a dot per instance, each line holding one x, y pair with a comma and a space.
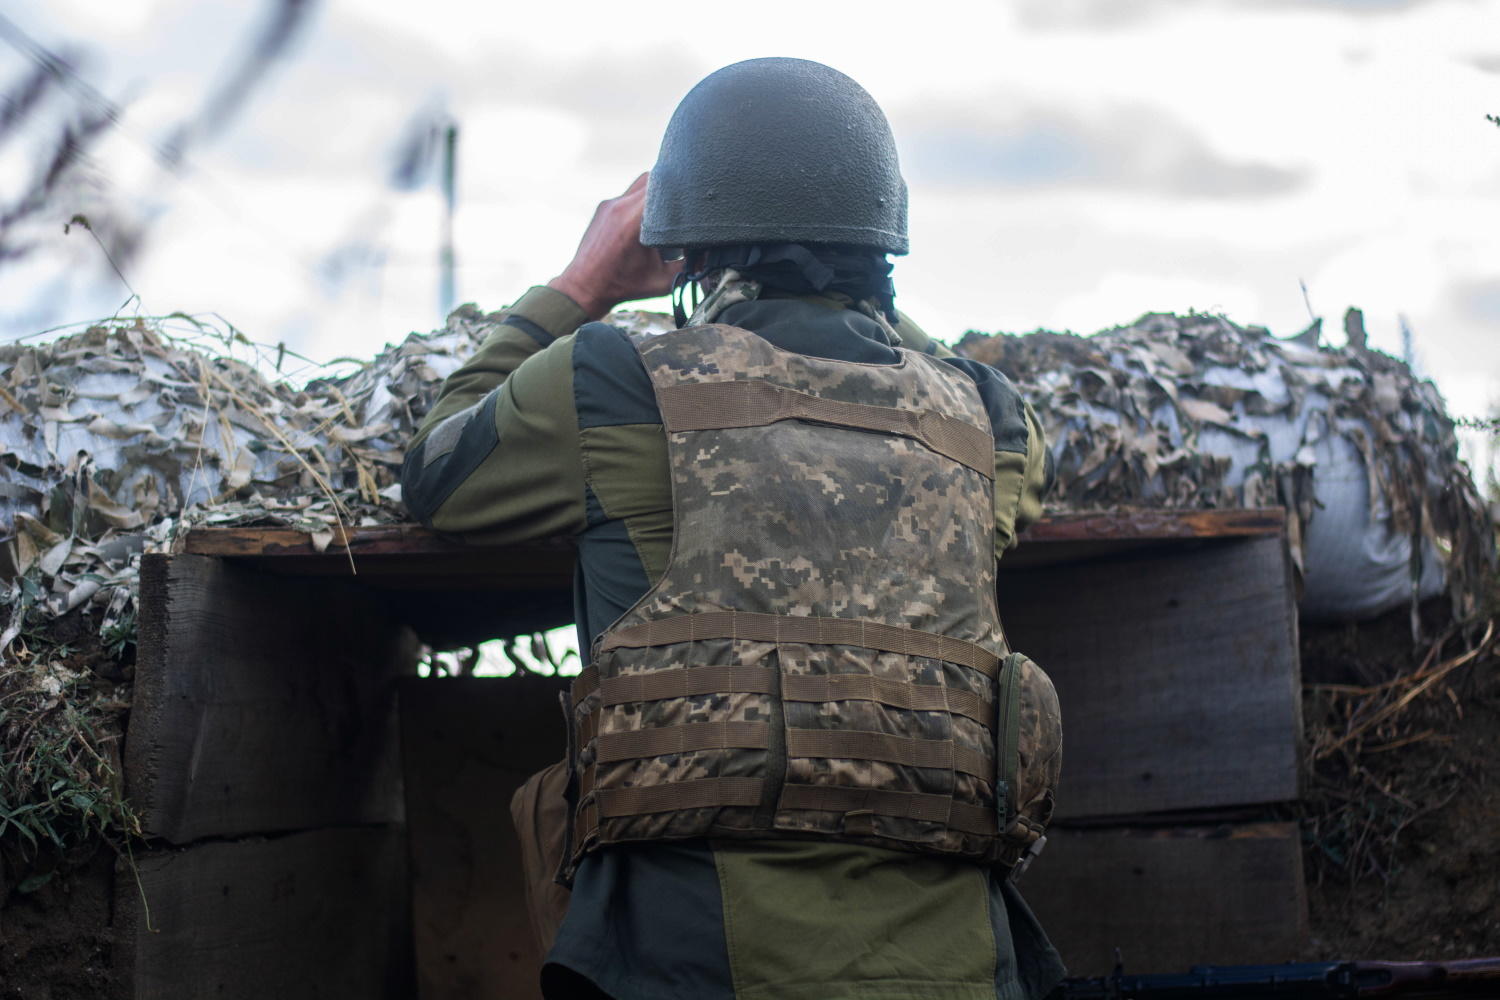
697, 793
680, 682
684, 682
585, 684
905, 805
682, 739
761, 627
897, 694
847, 744
700, 406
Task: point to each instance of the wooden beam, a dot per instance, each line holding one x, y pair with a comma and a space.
1171, 898
468, 744
1157, 525
261, 703
369, 540
311, 915
1177, 673
412, 540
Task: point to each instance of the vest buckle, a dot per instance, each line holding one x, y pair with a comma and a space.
1027, 857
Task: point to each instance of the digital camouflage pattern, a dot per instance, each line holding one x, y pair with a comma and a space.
797, 518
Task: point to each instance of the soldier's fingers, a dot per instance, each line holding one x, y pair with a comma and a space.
637, 184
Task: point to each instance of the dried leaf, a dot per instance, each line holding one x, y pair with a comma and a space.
1204, 411
52, 560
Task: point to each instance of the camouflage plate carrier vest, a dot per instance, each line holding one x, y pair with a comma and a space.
823, 655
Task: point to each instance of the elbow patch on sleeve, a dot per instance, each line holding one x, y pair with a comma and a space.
447, 456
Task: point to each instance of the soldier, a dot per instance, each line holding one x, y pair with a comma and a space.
803, 764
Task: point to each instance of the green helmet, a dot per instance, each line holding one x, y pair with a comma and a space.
776, 151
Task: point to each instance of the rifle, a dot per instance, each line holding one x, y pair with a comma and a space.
1476, 977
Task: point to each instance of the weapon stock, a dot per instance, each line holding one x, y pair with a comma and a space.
1478, 977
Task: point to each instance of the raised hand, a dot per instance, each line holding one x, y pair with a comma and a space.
610, 265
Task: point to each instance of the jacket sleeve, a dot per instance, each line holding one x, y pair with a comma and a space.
1023, 465
1030, 477
497, 457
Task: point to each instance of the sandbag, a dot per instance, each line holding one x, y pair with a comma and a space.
1184, 412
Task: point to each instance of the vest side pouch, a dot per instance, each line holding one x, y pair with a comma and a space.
1029, 735
1007, 740
541, 814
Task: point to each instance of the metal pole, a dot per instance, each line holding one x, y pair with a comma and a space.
446, 265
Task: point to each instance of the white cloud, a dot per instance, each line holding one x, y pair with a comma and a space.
1127, 148
1376, 116
1121, 296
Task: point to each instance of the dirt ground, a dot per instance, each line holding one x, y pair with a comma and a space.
56, 904
1442, 897
54, 936
1402, 850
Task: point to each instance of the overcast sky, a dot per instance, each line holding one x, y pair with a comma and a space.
1072, 164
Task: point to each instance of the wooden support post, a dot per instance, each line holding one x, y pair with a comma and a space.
307, 915
1177, 671
261, 703
1171, 898
264, 705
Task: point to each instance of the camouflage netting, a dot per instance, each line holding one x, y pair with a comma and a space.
1184, 412
113, 440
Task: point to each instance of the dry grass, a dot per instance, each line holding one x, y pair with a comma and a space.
60, 726
1384, 756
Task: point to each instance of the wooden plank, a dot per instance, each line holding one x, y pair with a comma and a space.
369, 540
1177, 672
1081, 538
1157, 524
316, 915
1171, 898
468, 744
409, 540
261, 703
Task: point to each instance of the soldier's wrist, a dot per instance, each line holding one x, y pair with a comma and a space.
585, 292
